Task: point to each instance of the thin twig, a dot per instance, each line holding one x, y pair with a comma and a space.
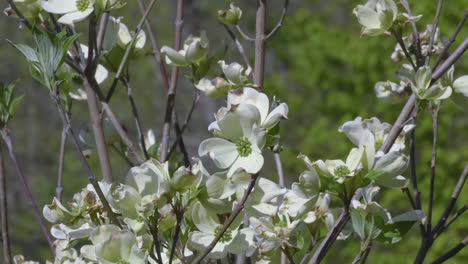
435, 25
129, 48
279, 168
123, 135
155, 46
4, 213
452, 252
229, 221
171, 93
92, 177
63, 141
179, 218
186, 122
32, 201
453, 199
102, 31
260, 41
435, 127
444, 52
136, 116
281, 20
153, 228
239, 46
331, 237
406, 5
23, 19
450, 221
243, 34
400, 42
363, 252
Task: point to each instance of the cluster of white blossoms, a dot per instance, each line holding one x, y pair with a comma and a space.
156, 199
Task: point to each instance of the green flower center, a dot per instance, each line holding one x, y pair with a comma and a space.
244, 147
82, 5
227, 236
378, 143
341, 171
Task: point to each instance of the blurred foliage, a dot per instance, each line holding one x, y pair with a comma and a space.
317, 63
327, 77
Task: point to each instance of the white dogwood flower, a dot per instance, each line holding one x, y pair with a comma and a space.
239, 141
376, 16
72, 10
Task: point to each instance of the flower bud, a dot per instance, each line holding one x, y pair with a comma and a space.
230, 16
376, 16
214, 88
196, 48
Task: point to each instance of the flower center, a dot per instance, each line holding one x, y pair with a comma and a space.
227, 236
244, 147
82, 5
341, 171
123, 262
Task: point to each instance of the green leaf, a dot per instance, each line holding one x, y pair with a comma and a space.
27, 51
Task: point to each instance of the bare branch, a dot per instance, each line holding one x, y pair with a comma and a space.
243, 34
92, 177
229, 221
444, 52
171, 93
239, 46
435, 24
32, 201
129, 48
23, 19
63, 141
123, 135
435, 127
281, 21
452, 252
4, 213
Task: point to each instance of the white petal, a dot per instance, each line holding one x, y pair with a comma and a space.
251, 164
460, 85
101, 74
221, 151
199, 241
250, 96
204, 220
280, 112
239, 123
59, 6
77, 16
367, 17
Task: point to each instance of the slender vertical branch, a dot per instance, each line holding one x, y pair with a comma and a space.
4, 213
128, 49
32, 201
63, 141
239, 46
136, 116
171, 93
435, 25
102, 31
407, 7
279, 168
155, 46
179, 218
92, 177
435, 127
260, 41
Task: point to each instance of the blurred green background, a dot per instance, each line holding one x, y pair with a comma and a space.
318, 64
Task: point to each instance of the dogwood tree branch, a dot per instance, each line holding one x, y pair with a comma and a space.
239, 46
444, 52
171, 93
4, 213
63, 141
229, 221
435, 25
281, 20
92, 177
452, 252
128, 49
27, 190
